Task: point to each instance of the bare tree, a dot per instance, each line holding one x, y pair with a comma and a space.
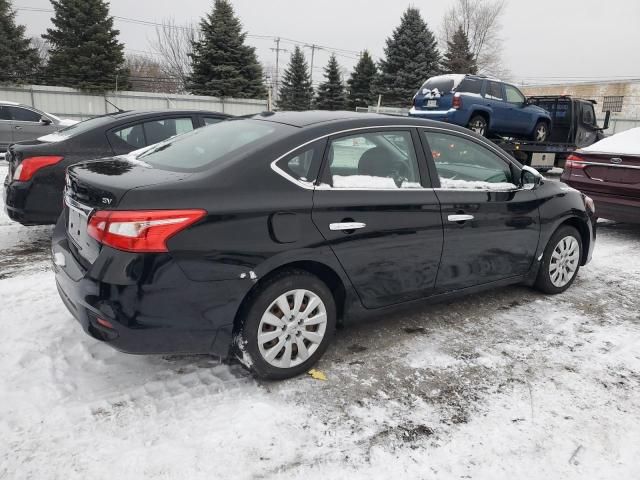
480, 21
173, 44
146, 75
42, 49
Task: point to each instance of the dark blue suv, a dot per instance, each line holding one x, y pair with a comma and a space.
484, 105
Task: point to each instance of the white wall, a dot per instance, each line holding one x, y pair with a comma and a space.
70, 103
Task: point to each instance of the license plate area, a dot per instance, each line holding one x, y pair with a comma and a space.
543, 160
77, 220
432, 103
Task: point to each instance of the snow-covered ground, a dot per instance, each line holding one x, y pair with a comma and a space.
508, 384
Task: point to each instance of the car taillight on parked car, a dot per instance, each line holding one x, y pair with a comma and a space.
140, 231
31, 165
575, 161
457, 101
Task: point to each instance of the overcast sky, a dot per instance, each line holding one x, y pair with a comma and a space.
543, 40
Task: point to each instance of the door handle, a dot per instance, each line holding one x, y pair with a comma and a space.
18, 127
346, 226
460, 218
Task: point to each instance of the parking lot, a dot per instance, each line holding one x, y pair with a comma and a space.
506, 384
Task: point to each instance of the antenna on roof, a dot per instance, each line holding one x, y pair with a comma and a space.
114, 105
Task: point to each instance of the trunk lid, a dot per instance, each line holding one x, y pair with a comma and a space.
101, 185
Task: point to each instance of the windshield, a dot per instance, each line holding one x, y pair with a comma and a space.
194, 150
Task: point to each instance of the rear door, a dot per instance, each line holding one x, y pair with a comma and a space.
494, 96
491, 227
375, 210
6, 128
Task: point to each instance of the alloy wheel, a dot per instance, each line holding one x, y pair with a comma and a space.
541, 133
292, 328
564, 261
479, 127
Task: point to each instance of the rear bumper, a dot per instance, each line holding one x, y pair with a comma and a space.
611, 207
31, 204
457, 117
162, 313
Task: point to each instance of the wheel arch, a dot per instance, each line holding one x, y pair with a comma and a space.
324, 272
485, 113
580, 225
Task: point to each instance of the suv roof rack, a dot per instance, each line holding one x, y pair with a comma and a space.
569, 97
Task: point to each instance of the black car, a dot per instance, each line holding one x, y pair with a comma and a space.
33, 187
253, 237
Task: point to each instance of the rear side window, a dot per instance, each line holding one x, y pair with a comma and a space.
159, 130
588, 115
304, 164
24, 115
380, 160
465, 165
199, 148
470, 85
4, 113
494, 91
133, 136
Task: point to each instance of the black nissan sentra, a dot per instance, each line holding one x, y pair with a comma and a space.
255, 237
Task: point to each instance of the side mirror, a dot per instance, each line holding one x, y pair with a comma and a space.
45, 121
530, 176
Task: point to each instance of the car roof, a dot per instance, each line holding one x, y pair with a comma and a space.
141, 113
340, 119
16, 104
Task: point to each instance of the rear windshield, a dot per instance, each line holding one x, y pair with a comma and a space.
444, 83
195, 150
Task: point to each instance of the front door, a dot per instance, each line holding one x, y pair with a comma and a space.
491, 227
521, 120
382, 222
6, 129
494, 96
27, 124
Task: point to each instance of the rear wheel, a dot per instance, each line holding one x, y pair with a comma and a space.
288, 325
560, 262
541, 131
478, 124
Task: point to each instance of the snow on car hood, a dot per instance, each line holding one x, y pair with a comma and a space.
623, 143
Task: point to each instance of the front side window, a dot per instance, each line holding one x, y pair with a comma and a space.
380, 160
588, 115
464, 164
494, 91
24, 115
513, 95
4, 113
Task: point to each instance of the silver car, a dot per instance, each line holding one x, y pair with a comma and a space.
22, 122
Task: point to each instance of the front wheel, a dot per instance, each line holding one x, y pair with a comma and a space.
288, 325
541, 131
560, 262
478, 124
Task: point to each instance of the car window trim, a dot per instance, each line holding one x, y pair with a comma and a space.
315, 185
434, 171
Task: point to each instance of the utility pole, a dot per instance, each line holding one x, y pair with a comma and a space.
313, 54
277, 79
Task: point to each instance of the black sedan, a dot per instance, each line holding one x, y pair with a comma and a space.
254, 237
33, 187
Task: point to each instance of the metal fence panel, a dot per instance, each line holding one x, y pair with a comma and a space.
70, 103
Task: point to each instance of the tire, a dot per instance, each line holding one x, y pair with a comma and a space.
560, 263
540, 131
263, 315
479, 125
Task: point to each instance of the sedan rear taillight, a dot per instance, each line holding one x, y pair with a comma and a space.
31, 165
140, 231
575, 161
457, 101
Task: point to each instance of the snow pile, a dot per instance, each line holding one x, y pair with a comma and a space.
367, 181
623, 143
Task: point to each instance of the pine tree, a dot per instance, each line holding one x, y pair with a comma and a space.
361, 82
18, 59
412, 56
459, 58
331, 92
223, 66
296, 91
84, 49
